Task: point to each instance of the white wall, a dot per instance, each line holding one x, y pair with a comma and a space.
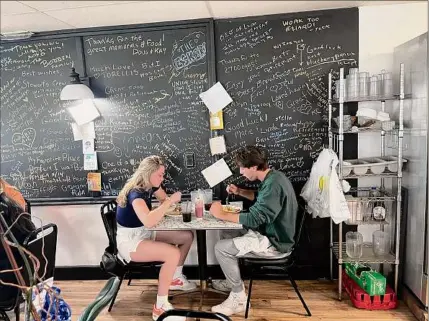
82, 237
381, 29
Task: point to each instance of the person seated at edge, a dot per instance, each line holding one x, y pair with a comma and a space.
273, 215
12, 205
135, 242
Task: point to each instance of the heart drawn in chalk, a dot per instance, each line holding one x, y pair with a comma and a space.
25, 138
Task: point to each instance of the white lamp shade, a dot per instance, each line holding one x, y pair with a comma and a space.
76, 92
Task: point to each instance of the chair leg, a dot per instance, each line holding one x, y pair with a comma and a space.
299, 295
248, 297
4, 316
17, 311
116, 293
129, 279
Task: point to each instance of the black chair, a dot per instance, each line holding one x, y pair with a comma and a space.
108, 215
194, 314
276, 267
27, 206
42, 243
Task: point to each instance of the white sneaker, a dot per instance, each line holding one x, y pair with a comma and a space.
165, 307
222, 285
235, 303
181, 283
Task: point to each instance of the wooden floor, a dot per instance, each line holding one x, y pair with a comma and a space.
271, 301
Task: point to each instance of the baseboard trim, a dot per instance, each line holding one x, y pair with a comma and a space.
191, 271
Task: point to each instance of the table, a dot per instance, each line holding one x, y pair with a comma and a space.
209, 222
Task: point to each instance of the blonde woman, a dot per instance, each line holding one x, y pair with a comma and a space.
136, 243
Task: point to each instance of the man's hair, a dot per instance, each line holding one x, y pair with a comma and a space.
250, 156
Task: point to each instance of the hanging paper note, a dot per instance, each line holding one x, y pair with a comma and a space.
216, 98
90, 162
84, 131
88, 146
84, 112
216, 120
94, 182
217, 145
216, 173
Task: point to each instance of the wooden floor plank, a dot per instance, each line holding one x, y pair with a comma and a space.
271, 301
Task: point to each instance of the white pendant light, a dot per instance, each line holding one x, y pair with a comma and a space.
76, 90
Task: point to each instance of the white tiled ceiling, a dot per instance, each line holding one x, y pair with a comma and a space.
39, 16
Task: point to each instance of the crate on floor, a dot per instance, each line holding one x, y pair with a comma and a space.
363, 300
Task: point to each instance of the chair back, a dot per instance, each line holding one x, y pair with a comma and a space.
194, 314
27, 206
299, 224
108, 215
42, 243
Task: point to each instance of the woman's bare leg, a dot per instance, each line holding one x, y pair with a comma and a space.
150, 251
183, 239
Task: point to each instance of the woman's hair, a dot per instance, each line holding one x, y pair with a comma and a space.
141, 178
250, 156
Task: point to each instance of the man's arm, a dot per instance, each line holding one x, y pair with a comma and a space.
216, 211
247, 193
265, 210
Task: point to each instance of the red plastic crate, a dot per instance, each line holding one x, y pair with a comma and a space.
363, 300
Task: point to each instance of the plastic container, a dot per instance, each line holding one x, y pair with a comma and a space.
354, 244
380, 243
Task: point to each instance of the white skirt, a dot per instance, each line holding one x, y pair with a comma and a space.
128, 238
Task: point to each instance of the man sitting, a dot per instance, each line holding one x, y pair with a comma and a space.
270, 223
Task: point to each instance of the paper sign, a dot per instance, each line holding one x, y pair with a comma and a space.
84, 112
216, 173
94, 182
88, 146
217, 145
90, 162
216, 98
85, 131
216, 120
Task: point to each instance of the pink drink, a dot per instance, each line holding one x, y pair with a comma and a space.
199, 210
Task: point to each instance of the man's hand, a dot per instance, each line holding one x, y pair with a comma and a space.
232, 189
216, 210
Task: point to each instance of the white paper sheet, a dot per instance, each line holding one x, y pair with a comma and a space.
216, 98
90, 162
85, 131
88, 146
84, 112
216, 173
217, 145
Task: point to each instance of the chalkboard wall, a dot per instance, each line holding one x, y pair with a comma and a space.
276, 70
147, 80
38, 153
146, 83
151, 82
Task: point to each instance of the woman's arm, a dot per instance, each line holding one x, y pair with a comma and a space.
151, 218
161, 195
147, 217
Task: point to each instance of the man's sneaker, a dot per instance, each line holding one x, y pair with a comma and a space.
222, 285
236, 303
182, 284
165, 307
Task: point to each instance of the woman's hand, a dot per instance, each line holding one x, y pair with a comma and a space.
232, 189
176, 197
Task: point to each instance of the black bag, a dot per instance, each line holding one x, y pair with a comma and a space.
110, 263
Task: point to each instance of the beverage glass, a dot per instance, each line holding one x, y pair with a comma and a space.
186, 212
208, 199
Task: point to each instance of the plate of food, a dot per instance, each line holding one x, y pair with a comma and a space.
174, 210
231, 209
